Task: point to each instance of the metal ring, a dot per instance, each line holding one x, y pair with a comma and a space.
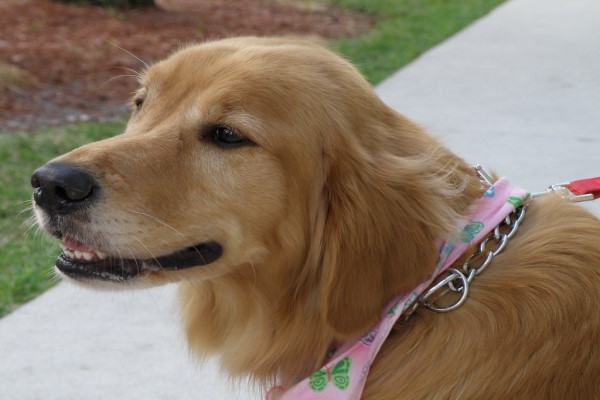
454, 274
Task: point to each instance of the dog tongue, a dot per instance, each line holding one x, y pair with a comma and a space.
74, 245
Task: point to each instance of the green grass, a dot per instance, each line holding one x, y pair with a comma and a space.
27, 256
406, 29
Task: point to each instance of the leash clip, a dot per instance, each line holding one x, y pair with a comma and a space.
576, 191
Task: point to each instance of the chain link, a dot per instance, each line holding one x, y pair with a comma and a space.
458, 280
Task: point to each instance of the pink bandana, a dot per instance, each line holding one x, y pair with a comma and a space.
344, 376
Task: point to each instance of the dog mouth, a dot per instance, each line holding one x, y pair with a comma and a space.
83, 262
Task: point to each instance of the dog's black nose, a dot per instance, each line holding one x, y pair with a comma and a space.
62, 187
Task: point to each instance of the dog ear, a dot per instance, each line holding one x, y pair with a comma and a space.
383, 217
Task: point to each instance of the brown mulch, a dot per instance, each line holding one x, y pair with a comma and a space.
78, 57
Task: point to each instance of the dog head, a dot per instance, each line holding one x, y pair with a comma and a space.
268, 159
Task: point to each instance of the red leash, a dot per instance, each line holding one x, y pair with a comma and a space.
584, 187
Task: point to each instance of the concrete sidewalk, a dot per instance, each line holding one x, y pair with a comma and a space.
518, 91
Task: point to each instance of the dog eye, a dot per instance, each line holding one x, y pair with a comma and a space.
227, 137
138, 103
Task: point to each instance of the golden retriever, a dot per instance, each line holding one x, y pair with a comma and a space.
290, 203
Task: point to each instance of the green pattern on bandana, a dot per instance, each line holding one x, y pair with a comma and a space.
469, 232
339, 375
516, 201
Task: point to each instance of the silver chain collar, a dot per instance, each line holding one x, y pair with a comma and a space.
456, 281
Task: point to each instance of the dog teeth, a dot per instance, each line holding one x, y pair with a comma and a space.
83, 255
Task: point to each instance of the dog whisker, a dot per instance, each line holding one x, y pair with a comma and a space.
137, 265
159, 221
128, 52
26, 209
137, 73
121, 259
193, 284
30, 222
119, 76
149, 252
33, 227
167, 226
53, 276
149, 292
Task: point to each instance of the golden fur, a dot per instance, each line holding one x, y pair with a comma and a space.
332, 212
